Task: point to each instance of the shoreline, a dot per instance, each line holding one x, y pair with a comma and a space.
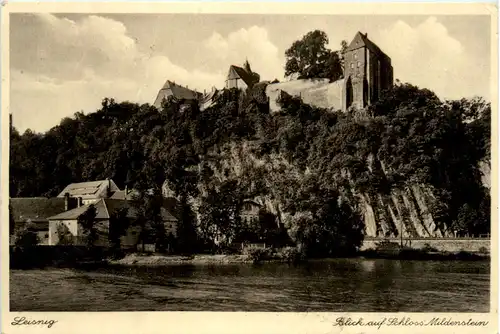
208, 259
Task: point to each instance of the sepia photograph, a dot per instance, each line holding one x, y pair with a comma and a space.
248, 162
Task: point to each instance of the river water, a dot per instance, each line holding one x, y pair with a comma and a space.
340, 285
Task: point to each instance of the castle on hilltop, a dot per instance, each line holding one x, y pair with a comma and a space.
367, 73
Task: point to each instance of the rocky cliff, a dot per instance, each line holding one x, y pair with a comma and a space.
407, 211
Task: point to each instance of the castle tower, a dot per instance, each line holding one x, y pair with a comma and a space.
367, 72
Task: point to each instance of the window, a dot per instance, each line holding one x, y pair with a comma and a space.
359, 63
133, 233
352, 65
355, 56
46, 236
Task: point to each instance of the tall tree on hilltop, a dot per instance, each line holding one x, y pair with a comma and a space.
341, 53
310, 58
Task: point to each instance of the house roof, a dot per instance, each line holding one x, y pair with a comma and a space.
36, 209
120, 194
361, 40
179, 92
236, 72
251, 201
92, 189
105, 208
32, 226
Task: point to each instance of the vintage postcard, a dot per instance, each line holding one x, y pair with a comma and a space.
249, 167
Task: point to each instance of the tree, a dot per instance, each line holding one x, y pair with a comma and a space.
219, 214
65, 238
341, 54
12, 223
187, 237
26, 237
310, 58
148, 205
119, 222
88, 223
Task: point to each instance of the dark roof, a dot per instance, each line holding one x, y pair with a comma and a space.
32, 226
120, 194
250, 201
236, 72
36, 209
105, 208
361, 40
90, 189
179, 92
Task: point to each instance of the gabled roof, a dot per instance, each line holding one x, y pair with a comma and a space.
236, 72
361, 40
178, 92
105, 208
120, 194
36, 209
92, 189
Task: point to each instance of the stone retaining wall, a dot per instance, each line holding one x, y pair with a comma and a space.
448, 245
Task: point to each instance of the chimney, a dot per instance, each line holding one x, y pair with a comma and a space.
108, 189
66, 201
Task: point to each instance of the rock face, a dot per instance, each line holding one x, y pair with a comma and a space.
406, 211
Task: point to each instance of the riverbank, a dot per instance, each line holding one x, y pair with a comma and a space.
161, 260
75, 258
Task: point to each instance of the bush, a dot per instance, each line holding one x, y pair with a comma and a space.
26, 238
428, 248
290, 255
484, 250
258, 254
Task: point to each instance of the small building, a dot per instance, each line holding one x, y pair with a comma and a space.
90, 192
241, 77
177, 92
64, 226
33, 213
250, 212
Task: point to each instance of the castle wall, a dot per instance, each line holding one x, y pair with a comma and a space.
319, 93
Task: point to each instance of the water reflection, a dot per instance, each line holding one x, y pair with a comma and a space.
344, 285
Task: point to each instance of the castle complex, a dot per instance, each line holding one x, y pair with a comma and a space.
367, 72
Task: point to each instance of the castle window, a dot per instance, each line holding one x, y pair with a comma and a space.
359, 63
355, 56
352, 65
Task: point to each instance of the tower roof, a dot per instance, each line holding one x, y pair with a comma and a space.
361, 40
236, 72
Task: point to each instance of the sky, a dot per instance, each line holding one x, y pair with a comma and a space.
61, 64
